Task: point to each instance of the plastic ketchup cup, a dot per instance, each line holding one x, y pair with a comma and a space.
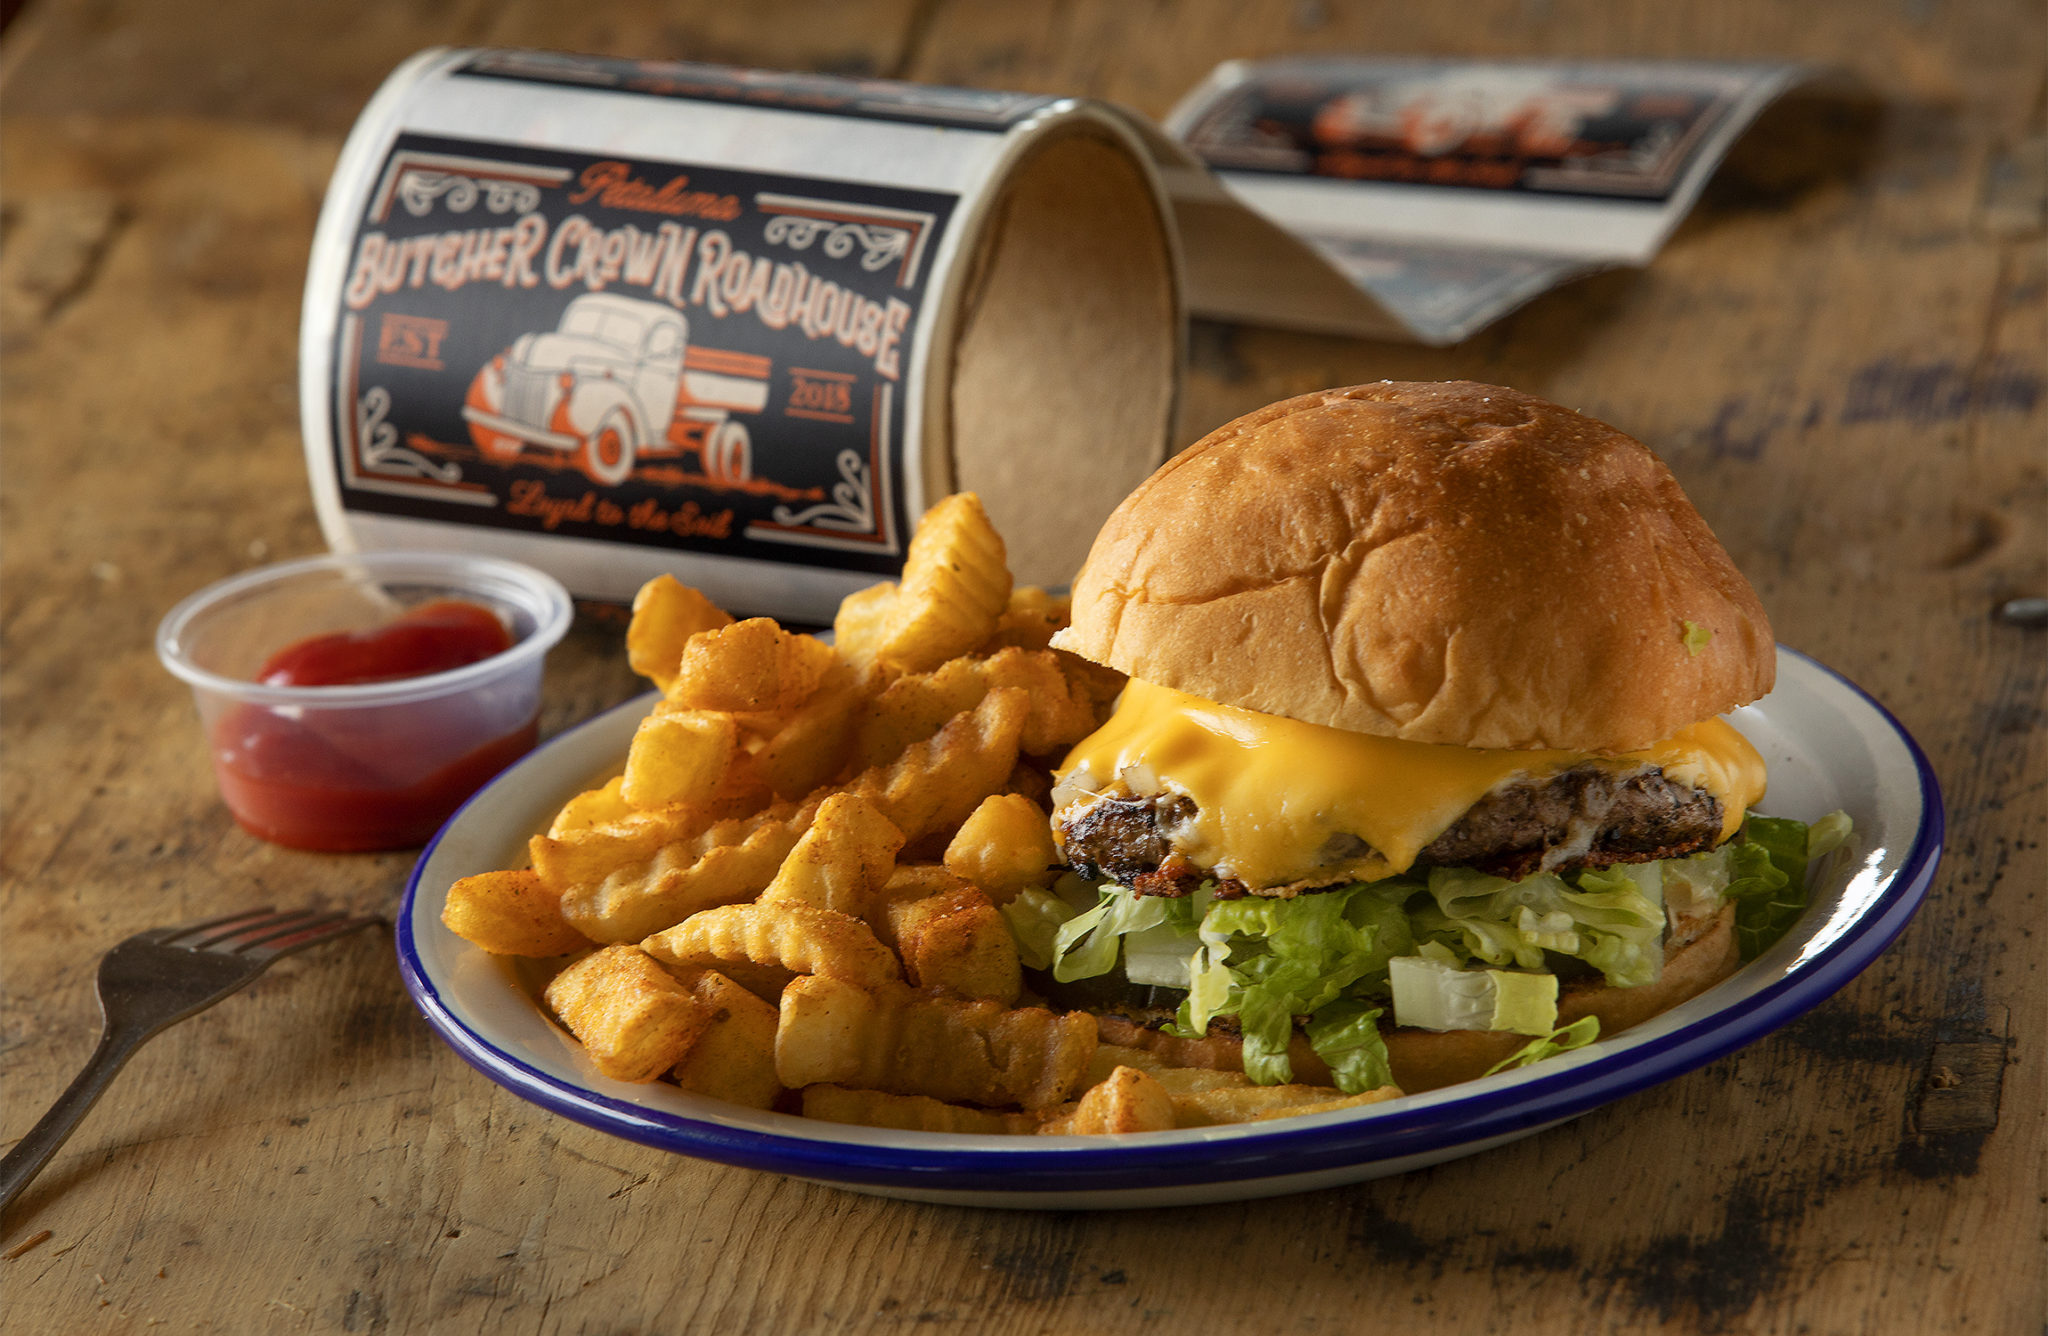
352, 702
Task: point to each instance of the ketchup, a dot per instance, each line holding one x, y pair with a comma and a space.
346, 779
431, 638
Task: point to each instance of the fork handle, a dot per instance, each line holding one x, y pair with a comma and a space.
20, 1166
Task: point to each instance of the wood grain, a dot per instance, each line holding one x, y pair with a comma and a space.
1841, 354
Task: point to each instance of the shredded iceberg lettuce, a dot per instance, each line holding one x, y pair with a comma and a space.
1470, 943
1269, 961
1613, 920
1161, 955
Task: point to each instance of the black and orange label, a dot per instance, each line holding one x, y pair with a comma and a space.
1609, 131
649, 352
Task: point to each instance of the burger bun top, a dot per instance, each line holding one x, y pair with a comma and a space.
1436, 562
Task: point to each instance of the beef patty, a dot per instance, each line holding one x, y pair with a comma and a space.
1587, 816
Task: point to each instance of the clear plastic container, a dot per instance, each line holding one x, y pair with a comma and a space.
372, 765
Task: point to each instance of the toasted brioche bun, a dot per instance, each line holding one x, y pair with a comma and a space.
1449, 563
1695, 959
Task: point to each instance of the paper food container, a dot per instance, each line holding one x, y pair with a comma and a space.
742, 327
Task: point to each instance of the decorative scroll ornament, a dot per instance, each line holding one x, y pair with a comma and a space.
880, 246
418, 189
377, 443
852, 507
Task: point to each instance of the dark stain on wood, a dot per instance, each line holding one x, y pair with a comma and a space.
1834, 1031
1391, 1241
1717, 1277
1889, 390
1030, 1274
1551, 1258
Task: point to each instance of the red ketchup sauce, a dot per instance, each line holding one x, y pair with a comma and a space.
325, 780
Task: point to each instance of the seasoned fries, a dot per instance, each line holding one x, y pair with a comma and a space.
753, 666
586, 811
956, 587
1252, 1103
666, 613
911, 1113
935, 784
764, 946
796, 884
841, 861
913, 708
1004, 845
949, 935
890, 1038
731, 862
734, 1059
1127, 1100
630, 1014
679, 758
510, 914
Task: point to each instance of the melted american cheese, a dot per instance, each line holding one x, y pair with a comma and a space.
1276, 799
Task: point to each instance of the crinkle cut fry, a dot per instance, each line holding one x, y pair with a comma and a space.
936, 783
956, 587
510, 914
949, 934
666, 613
914, 706
727, 864
734, 1059
890, 1038
842, 860
910, 1113
781, 939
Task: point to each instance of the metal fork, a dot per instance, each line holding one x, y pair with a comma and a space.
151, 982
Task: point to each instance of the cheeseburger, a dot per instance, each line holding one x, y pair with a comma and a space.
1419, 770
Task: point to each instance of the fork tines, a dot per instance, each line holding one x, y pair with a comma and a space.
262, 932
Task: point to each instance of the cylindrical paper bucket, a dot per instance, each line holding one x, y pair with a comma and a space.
615, 318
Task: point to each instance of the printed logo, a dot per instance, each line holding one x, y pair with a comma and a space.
411, 340
657, 353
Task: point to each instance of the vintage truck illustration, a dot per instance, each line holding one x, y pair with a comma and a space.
614, 382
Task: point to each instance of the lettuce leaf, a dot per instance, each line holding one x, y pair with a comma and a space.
1578, 1034
1269, 961
1346, 1034
1035, 917
1828, 834
1613, 920
1088, 944
1434, 994
1767, 882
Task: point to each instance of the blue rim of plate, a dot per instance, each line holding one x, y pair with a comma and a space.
1361, 1137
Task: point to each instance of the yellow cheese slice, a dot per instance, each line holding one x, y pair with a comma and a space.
1276, 798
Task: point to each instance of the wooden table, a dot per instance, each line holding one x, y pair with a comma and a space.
1841, 355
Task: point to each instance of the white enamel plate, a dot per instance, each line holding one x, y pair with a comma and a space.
1828, 746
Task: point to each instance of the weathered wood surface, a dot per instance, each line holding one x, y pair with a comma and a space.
1841, 354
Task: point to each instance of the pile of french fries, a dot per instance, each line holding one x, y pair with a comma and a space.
791, 897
